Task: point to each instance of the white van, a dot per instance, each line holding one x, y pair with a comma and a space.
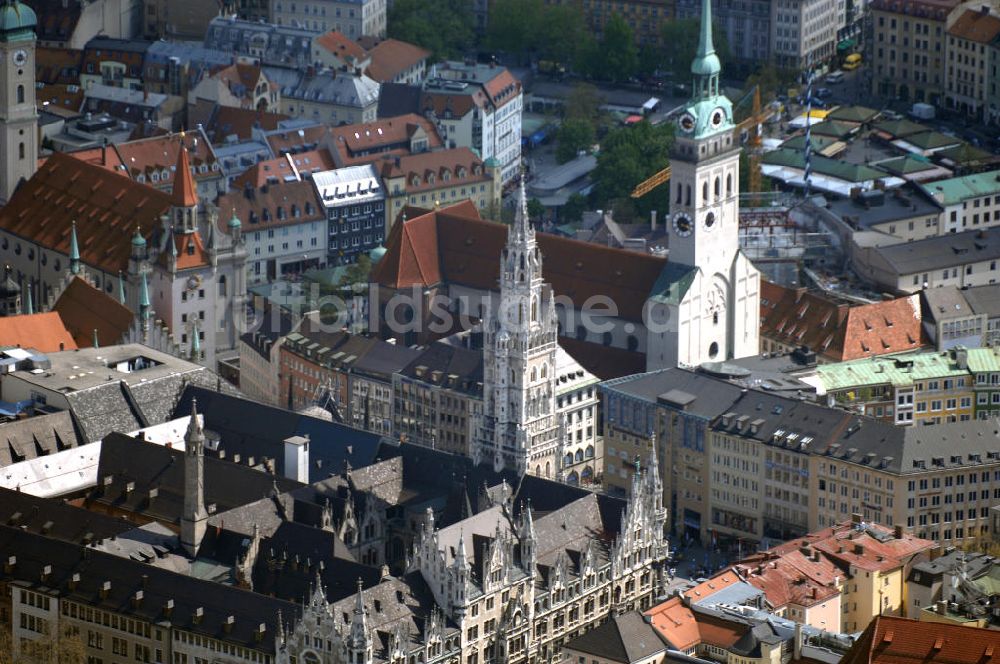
835, 77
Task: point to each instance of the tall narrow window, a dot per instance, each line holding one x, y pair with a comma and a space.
20, 150
704, 192
20, 94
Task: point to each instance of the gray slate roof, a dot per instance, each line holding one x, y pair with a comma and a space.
37, 436
711, 396
626, 638
941, 252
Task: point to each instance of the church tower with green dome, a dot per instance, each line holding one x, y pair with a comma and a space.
711, 290
18, 116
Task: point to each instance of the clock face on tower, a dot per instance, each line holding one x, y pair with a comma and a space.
718, 117
686, 123
683, 224
20, 57
709, 221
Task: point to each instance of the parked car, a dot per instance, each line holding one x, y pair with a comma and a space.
823, 93
834, 78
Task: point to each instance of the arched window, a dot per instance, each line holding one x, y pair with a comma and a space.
548, 468
534, 375
680, 193
20, 94
704, 192
578, 457
633, 343
20, 150
718, 187
729, 185
222, 285
545, 370
688, 201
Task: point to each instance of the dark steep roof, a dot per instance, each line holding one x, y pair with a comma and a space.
135, 467
124, 577
252, 429
626, 638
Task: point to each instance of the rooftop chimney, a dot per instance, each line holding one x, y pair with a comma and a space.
297, 458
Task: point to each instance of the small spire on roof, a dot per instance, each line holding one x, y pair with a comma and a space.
74, 251
29, 307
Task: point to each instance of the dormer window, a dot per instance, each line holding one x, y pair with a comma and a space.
416, 181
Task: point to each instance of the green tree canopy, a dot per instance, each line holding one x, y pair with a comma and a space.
616, 57
681, 39
523, 28
574, 134
575, 206
444, 27
628, 156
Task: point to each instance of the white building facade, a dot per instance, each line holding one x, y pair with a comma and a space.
706, 307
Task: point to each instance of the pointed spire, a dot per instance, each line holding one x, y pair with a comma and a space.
143, 297
184, 194
706, 66
74, 251
195, 432
29, 307
522, 223
461, 561
195, 343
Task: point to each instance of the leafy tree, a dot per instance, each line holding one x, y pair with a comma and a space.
64, 648
681, 38
584, 103
444, 27
561, 32
535, 209
357, 273
574, 208
628, 156
513, 26
574, 135
620, 55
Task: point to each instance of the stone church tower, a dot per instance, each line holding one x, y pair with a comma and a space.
706, 309
195, 517
18, 116
521, 427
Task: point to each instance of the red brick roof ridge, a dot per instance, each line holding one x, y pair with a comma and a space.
184, 192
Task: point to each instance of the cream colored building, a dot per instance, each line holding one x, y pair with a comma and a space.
907, 53
969, 71
440, 177
352, 18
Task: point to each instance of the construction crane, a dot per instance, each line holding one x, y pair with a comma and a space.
751, 124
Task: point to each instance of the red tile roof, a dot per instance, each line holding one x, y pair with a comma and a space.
160, 154
284, 167
84, 308
791, 579
442, 163
184, 193
341, 46
839, 331
280, 204
363, 143
228, 120
893, 640
44, 332
242, 75
106, 207
676, 623
455, 245
711, 586
974, 25
867, 546
60, 99
58, 65
105, 157
391, 57
191, 251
